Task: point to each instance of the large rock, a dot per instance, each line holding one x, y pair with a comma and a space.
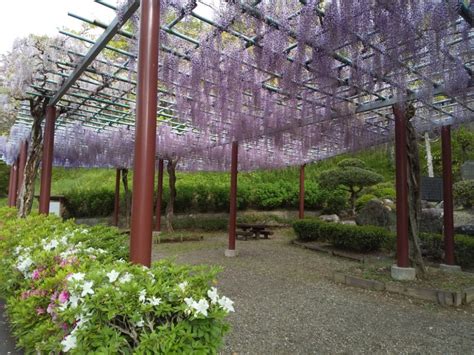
431, 220
376, 213
330, 218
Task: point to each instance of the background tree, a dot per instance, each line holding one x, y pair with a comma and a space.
351, 175
171, 168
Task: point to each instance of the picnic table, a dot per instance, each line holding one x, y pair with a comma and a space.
253, 230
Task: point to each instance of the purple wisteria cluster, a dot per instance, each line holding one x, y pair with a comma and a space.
292, 82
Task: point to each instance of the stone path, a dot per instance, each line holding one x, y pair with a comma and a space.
286, 304
7, 343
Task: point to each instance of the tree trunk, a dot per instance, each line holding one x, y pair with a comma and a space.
414, 195
171, 168
353, 201
429, 156
27, 190
127, 196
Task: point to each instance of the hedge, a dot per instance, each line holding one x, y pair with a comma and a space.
363, 238
68, 289
368, 238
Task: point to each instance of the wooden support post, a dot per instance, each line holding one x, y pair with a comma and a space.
159, 197
401, 186
47, 161
301, 197
117, 198
145, 134
447, 195
13, 188
233, 200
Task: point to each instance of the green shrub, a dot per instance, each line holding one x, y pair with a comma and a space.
89, 203
357, 238
4, 178
464, 193
361, 201
68, 289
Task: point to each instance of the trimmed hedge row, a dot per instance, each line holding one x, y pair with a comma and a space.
362, 239
213, 197
369, 238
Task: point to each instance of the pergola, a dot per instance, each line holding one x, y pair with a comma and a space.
287, 82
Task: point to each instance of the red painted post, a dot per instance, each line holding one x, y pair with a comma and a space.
145, 134
14, 187
301, 200
47, 162
117, 198
233, 196
22, 164
401, 185
10, 184
159, 197
447, 195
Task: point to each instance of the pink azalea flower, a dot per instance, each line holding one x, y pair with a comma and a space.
40, 310
36, 275
63, 297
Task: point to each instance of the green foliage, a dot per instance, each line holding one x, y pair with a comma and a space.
4, 178
208, 224
382, 190
367, 238
89, 203
352, 162
362, 201
354, 178
68, 289
464, 193
356, 238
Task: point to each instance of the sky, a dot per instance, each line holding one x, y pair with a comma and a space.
18, 18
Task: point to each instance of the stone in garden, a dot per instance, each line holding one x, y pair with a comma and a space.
349, 222
467, 170
467, 229
375, 213
431, 220
330, 218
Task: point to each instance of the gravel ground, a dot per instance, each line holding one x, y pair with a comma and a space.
7, 343
286, 304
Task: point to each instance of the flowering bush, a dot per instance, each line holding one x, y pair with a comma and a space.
69, 289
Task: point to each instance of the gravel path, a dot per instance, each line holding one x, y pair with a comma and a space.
286, 304
7, 343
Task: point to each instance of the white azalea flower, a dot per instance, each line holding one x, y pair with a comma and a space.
140, 323
51, 245
87, 288
74, 300
226, 304
113, 275
154, 301
24, 265
142, 296
189, 302
127, 277
69, 343
201, 307
79, 276
182, 286
212, 294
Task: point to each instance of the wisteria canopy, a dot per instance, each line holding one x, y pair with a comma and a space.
292, 81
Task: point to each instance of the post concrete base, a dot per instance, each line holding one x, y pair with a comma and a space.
449, 268
231, 253
403, 273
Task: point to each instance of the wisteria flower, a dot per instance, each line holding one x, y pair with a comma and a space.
113, 276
